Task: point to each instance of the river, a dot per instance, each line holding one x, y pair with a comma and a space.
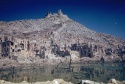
72, 73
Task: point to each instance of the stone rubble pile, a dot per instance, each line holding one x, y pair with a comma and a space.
61, 81
55, 81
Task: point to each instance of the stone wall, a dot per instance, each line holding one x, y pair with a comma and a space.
14, 48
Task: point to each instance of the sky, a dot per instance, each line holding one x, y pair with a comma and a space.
104, 16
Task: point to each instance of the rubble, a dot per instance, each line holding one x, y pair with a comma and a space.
55, 81
61, 81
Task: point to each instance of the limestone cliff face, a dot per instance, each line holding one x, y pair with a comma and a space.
56, 36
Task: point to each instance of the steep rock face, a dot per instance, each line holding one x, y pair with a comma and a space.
56, 35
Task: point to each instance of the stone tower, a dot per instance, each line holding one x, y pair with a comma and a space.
48, 15
60, 12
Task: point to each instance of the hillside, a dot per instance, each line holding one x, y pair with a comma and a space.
57, 37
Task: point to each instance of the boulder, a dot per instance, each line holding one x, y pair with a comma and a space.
90, 82
87, 82
113, 81
2, 81
60, 81
24, 82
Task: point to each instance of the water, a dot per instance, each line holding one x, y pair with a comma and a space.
72, 73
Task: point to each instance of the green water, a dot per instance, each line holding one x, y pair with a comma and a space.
72, 73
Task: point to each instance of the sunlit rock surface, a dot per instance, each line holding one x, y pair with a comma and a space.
55, 81
61, 81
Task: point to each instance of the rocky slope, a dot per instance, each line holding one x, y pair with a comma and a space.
55, 37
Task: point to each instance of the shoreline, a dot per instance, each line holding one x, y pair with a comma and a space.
61, 81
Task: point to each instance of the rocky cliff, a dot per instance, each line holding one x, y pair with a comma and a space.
57, 38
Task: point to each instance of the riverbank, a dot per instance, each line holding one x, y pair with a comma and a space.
61, 81
111, 81
55, 81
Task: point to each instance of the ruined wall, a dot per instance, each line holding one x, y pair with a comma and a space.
13, 48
